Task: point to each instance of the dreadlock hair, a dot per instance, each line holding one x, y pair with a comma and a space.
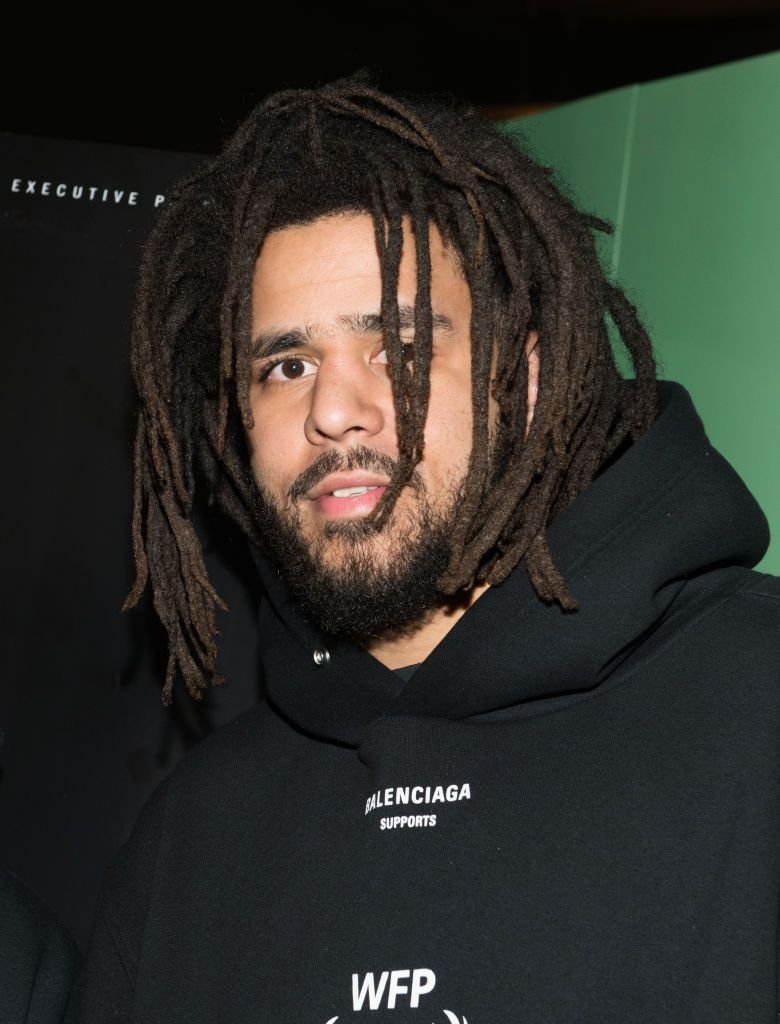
530, 261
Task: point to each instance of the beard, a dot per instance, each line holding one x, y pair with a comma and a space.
353, 580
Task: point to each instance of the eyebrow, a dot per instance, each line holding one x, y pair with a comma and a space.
271, 343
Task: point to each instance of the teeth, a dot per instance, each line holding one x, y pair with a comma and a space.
350, 492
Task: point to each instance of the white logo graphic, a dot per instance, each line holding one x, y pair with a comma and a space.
107, 195
373, 989
395, 990
400, 796
452, 1018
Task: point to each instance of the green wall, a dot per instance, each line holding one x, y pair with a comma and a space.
688, 171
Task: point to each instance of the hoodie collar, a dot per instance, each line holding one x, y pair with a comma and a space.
668, 508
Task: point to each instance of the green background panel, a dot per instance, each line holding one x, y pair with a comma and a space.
688, 169
588, 145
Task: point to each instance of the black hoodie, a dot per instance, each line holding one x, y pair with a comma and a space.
38, 959
561, 817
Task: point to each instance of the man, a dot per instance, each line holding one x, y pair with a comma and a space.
518, 760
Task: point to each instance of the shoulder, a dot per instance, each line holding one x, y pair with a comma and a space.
740, 602
728, 631
241, 757
722, 633
192, 802
757, 600
39, 959
757, 611
764, 588
251, 745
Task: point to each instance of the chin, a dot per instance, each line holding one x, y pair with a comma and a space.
331, 551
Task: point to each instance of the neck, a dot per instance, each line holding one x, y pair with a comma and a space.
417, 644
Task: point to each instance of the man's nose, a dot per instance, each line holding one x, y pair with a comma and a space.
348, 401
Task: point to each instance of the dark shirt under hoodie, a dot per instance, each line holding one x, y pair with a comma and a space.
559, 818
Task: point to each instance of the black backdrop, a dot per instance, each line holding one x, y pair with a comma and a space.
86, 737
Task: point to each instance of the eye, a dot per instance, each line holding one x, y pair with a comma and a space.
291, 368
408, 351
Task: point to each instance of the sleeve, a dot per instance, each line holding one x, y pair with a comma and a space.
106, 988
38, 959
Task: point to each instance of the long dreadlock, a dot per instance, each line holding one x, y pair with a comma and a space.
530, 262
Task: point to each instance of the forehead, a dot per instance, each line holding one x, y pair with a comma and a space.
334, 260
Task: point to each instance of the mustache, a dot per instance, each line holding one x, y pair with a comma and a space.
333, 461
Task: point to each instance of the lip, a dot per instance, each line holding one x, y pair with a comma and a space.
331, 507
339, 481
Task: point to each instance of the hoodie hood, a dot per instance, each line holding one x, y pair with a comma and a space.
669, 509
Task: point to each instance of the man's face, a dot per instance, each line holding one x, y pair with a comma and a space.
324, 440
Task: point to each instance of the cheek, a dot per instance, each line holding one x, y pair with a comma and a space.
448, 430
